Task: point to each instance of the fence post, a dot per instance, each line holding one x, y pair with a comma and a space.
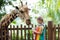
32, 33
7, 33
0, 31
17, 34
11, 32
54, 32
50, 32
25, 32
21, 33
59, 32
28, 33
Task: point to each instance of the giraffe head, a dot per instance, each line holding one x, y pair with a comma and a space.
23, 11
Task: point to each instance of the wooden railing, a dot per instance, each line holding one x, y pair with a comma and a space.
25, 32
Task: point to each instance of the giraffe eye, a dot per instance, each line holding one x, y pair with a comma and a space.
22, 11
17, 7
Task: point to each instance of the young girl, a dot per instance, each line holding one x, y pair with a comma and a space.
39, 31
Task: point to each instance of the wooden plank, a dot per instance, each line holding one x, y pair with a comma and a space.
17, 38
14, 33
25, 32
1, 33
54, 32
32, 33
26, 28
21, 33
35, 25
11, 32
28, 33
58, 32
57, 27
7, 33
19, 29
50, 31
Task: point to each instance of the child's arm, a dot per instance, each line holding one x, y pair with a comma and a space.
37, 32
40, 30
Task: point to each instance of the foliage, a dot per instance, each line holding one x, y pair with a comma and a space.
53, 9
3, 3
2, 14
35, 11
14, 22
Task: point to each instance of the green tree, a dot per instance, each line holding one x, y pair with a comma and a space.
53, 7
3, 3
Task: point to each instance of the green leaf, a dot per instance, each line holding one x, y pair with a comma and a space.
2, 14
10, 2
35, 11
42, 1
14, 22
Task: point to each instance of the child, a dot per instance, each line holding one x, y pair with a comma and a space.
39, 31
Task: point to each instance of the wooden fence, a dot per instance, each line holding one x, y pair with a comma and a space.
25, 32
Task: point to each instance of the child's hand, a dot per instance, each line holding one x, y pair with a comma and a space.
38, 30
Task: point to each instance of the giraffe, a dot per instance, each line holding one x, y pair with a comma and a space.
21, 11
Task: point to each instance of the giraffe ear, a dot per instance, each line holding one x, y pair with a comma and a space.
17, 7
26, 3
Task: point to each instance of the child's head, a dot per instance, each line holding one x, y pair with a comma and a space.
40, 20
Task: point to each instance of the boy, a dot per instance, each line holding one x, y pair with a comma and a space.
39, 31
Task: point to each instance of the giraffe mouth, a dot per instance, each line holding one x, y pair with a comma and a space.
28, 21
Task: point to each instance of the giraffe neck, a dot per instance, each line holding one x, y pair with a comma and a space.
7, 19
